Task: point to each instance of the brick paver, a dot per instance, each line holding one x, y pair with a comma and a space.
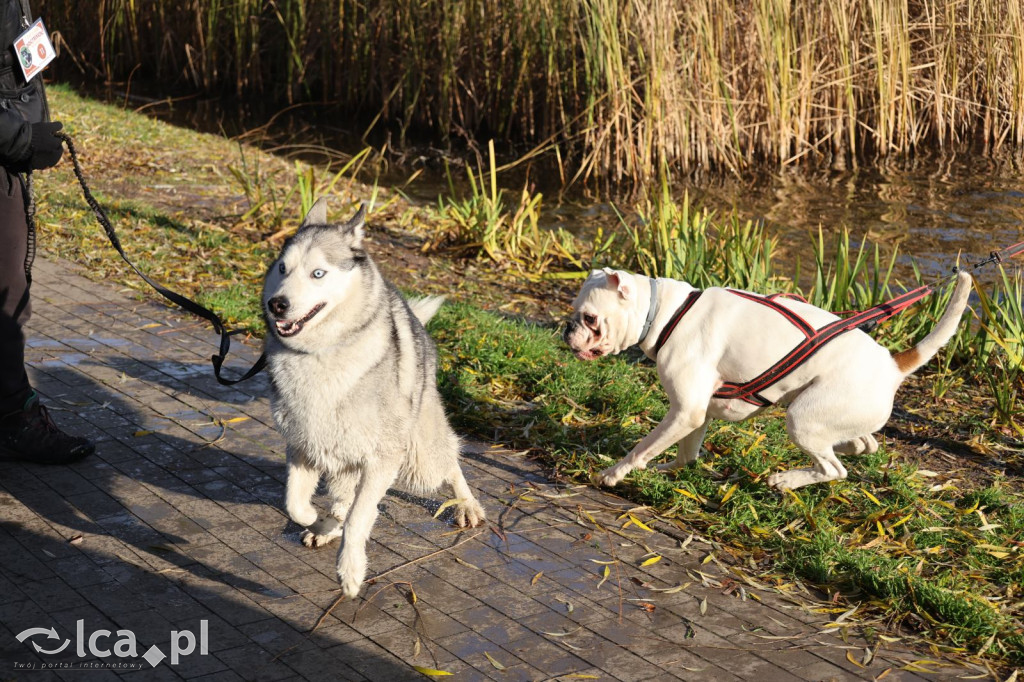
175, 526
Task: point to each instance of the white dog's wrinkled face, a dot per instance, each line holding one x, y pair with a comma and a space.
601, 315
310, 277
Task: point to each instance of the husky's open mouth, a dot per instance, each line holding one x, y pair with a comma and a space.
292, 327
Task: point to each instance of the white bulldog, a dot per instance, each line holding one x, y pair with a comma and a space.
837, 397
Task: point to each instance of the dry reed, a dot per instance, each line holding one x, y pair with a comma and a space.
622, 87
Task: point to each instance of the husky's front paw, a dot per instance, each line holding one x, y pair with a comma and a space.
321, 532
469, 513
351, 573
311, 539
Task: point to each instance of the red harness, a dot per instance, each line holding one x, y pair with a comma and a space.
814, 339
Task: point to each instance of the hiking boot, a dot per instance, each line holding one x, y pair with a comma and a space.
30, 435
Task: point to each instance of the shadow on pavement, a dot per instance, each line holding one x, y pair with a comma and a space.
157, 533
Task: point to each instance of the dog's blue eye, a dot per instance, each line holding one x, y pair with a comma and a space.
318, 273
280, 268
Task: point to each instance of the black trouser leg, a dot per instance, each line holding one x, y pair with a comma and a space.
14, 299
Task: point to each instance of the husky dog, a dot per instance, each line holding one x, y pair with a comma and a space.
353, 389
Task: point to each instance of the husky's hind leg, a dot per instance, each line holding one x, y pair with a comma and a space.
299, 489
341, 486
434, 461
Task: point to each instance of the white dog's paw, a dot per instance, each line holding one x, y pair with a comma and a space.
676, 464
469, 513
779, 481
351, 573
798, 478
610, 477
670, 466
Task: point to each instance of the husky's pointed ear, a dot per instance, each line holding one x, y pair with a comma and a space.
318, 214
357, 224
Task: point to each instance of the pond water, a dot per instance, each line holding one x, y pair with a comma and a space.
931, 207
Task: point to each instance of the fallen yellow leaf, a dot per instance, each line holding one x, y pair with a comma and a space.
871, 497
494, 662
640, 523
445, 505
429, 671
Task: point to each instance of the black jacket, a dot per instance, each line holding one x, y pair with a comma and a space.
21, 104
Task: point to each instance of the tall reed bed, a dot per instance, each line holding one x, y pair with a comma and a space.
622, 87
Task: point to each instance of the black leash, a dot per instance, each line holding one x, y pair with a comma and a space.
30, 221
186, 303
994, 257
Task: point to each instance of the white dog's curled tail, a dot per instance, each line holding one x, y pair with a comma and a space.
909, 360
426, 307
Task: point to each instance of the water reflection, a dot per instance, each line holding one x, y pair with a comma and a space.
932, 206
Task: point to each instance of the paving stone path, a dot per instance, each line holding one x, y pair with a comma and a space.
167, 554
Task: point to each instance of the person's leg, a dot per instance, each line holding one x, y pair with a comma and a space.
14, 301
26, 430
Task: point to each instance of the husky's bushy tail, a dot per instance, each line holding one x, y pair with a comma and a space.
425, 307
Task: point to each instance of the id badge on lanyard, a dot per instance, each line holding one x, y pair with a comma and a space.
34, 49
